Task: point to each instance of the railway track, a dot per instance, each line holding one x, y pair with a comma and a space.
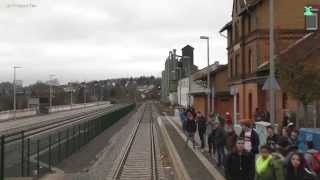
50, 126
140, 159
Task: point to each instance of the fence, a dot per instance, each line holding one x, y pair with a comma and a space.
26, 156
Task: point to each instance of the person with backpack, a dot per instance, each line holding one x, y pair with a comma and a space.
312, 158
295, 169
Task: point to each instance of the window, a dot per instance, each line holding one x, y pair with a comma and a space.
236, 31
249, 62
284, 100
230, 37
312, 22
238, 103
250, 106
236, 65
249, 23
231, 67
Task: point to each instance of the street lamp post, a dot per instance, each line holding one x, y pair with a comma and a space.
208, 73
14, 92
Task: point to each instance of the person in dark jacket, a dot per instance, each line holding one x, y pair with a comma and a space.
293, 138
231, 140
283, 142
272, 139
202, 126
191, 128
295, 169
239, 163
211, 129
220, 142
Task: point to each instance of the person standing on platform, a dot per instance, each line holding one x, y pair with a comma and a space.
295, 170
268, 166
239, 163
220, 142
202, 126
251, 139
272, 139
211, 133
191, 128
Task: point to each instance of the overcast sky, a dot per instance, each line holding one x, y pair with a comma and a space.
99, 39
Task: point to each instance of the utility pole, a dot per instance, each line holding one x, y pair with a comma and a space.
272, 68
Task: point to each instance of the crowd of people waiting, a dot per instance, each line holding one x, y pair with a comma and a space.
242, 157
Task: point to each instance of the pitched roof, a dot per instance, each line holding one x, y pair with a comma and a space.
187, 47
213, 68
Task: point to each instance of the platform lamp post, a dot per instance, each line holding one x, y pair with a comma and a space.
14, 92
208, 74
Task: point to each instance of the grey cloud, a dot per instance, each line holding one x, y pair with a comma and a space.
78, 38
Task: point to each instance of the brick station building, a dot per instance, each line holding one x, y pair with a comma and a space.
248, 50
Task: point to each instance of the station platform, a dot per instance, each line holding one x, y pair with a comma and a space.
189, 162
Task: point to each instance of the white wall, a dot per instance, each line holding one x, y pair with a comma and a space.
183, 92
173, 98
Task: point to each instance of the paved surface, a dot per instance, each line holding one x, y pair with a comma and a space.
194, 166
6, 127
212, 159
